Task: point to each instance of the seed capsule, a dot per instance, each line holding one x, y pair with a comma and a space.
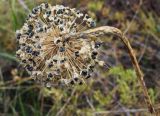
61, 49
50, 75
72, 82
51, 44
98, 44
18, 35
31, 34
84, 72
29, 68
76, 53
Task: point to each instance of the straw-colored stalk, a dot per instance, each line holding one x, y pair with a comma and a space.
105, 30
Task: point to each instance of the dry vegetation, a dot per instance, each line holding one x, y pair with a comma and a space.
113, 90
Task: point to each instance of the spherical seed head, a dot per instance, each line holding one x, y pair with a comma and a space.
49, 46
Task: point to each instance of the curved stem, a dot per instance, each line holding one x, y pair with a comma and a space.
105, 30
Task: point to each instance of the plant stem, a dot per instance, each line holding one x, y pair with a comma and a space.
105, 30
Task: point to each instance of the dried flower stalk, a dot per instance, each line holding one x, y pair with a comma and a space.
105, 30
56, 45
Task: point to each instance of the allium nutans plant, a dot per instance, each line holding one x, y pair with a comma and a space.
58, 45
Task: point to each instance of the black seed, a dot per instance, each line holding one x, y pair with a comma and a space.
64, 44
78, 12
58, 41
91, 66
48, 27
27, 33
30, 27
40, 29
61, 29
48, 12
34, 63
76, 53
55, 18
23, 44
58, 71
46, 5
98, 44
39, 46
84, 72
66, 40
48, 20
28, 49
29, 15
90, 70
92, 24
54, 60
87, 17
23, 61
58, 20
35, 53
88, 76
17, 55
61, 49
31, 60
80, 83
50, 65
31, 34
61, 22
56, 23
50, 75
62, 61
76, 79
72, 82
45, 29
33, 41
29, 68
93, 56
59, 11
34, 11
18, 47
94, 53
18, 35
37, 36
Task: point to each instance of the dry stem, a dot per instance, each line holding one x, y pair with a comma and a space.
105, 30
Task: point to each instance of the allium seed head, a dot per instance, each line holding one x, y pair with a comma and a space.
49, 48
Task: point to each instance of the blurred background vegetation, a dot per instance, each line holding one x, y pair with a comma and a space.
113, 91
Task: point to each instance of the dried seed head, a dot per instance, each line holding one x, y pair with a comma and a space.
51, 51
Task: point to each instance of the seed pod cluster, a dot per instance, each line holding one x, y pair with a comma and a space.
49, 49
